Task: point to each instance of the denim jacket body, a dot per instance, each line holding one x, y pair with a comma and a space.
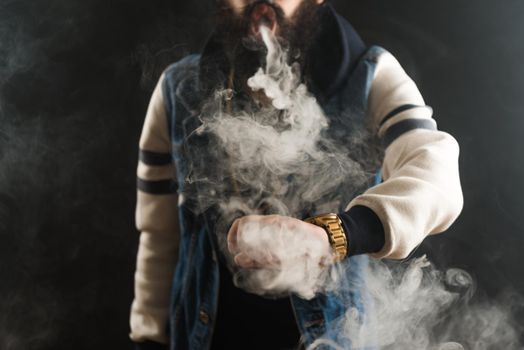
196, 281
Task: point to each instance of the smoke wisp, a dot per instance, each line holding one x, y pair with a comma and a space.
415, 306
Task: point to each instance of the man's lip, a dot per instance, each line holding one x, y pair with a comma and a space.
263, 14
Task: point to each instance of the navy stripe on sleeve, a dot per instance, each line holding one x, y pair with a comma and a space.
398, 110
156, 187
154, 158
364, 230
400, 128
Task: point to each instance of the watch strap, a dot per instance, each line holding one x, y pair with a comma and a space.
337, 237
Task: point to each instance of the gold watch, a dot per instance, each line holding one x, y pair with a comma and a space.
337, 237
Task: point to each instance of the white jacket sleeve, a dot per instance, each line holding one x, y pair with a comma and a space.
157, 220
421, 192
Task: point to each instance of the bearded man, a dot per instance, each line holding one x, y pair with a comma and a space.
193, 244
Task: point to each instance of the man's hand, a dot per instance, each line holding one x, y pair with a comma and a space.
279, 255
274, 241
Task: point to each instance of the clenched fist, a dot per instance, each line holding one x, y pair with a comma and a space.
279, 254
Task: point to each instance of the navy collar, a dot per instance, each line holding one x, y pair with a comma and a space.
330, 60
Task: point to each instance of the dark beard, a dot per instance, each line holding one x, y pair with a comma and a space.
246, 55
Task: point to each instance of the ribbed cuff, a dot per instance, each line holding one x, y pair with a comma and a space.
150, 345
364, 231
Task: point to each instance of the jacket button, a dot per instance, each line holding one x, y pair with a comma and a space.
204, 317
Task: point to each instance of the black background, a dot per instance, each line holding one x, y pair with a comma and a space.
75, 79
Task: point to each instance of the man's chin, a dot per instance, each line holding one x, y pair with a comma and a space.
256, 34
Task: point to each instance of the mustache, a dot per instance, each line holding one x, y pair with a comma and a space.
249, 8
233, 28
225, 10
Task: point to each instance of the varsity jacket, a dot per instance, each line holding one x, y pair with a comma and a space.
417, 192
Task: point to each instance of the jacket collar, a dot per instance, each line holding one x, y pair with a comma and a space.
331, 59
